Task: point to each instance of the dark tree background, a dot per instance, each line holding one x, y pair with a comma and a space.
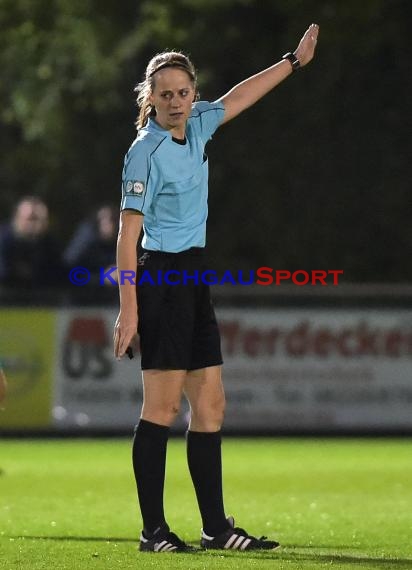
316, 175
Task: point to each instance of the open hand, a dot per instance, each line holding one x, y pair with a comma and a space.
306, 48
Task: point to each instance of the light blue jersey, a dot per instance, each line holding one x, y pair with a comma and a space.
168, 181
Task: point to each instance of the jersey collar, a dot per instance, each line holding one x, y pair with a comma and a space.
155, 127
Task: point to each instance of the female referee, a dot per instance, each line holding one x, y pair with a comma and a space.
164, 192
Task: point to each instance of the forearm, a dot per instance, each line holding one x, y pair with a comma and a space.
249, 91
246, 93
126, 260
126, 265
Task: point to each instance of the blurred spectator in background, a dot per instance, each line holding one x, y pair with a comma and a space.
3, 384
93, 244
29, 253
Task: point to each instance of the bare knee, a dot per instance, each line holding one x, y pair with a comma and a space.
163, 415
208, 416
162, 391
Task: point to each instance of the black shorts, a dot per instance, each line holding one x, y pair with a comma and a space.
177, 323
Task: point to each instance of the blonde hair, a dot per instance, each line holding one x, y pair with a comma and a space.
145, 88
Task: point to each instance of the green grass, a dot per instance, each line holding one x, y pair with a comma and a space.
331, 503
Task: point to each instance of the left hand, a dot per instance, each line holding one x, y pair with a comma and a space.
306, 48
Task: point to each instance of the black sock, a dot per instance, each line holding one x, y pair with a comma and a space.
149, 465
205, 465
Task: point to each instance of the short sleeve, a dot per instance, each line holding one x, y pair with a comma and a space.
206, 117
139, 179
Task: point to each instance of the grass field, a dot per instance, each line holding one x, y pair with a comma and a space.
70, 504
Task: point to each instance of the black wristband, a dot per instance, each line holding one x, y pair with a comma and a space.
294, 62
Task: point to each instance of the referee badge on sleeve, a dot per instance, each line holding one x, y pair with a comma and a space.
135, 187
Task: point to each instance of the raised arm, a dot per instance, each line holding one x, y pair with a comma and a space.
125, 329
246, 93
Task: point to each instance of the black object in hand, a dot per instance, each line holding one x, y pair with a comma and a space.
129, 352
